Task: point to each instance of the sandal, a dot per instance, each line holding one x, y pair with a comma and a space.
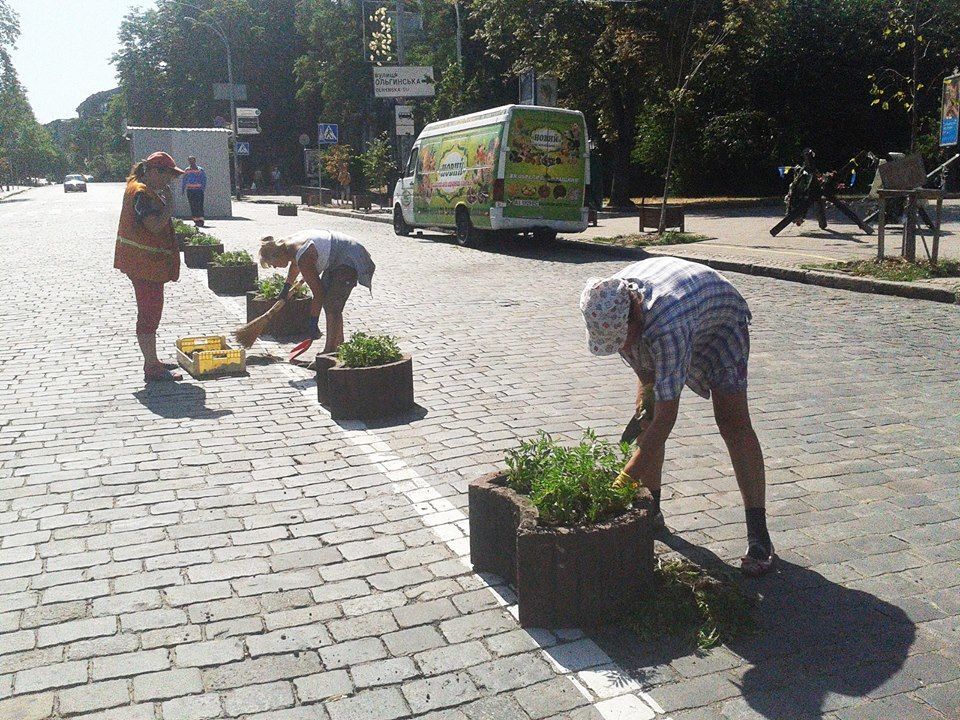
758, 561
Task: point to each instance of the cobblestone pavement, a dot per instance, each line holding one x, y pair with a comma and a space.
223, 549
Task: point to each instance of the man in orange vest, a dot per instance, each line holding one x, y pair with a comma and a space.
194, 183
146, 251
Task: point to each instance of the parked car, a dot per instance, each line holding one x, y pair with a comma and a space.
512, 170
74, 183
88, 178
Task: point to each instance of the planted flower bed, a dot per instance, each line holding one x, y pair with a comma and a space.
367, 378
200, 250
577, 547
293, 318
287, 209
232, 273
183, 232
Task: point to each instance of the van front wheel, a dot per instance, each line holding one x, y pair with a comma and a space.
400, 226
466, 233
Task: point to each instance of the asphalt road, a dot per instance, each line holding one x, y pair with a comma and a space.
224, 549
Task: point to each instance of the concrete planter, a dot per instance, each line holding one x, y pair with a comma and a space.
564, 577
365, 393
232, 279
287, 210
293, 318
199, 256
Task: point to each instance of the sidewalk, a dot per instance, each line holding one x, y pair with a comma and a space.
740, 241
13, 191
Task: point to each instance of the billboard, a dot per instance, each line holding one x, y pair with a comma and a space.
950, 112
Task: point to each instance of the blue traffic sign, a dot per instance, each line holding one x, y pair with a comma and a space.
328, 134
243, 148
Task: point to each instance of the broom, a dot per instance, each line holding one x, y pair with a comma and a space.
247, 334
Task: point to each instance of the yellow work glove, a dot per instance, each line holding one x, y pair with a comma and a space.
624, 480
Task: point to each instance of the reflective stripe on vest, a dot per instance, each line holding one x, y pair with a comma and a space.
139, 246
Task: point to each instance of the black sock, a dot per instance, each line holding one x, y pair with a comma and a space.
757, 528
656, 500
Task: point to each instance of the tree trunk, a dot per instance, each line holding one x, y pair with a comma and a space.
666, 176
625, 112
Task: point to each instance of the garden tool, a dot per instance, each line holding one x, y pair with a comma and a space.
247, 334
299, 349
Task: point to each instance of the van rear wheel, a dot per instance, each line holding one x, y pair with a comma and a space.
400, 226
467, 234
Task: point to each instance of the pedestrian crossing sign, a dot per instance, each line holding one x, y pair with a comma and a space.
328, 134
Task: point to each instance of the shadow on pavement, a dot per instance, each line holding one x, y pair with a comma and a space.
417, 412
815, 639
178, 400
559, 251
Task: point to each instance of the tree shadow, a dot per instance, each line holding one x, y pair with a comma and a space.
561, 250
177, 400
815, 640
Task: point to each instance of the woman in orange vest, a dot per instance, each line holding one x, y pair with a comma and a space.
147, 253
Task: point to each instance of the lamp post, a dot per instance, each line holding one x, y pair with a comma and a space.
222, 36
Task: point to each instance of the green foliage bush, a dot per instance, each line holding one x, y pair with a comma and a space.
269, 288
235, 258
181, 228
363, 350
570, 486
202, 239
377, 162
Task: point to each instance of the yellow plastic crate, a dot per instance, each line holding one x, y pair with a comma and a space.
209, 356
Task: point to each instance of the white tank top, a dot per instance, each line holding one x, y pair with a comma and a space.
321, 240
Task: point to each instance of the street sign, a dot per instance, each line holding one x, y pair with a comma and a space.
304, 139
328, 134
248, 121
404, 114
243, 148
403, 81
221, 91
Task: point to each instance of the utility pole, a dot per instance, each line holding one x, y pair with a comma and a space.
401, 61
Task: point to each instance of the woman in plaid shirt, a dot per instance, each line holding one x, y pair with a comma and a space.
678, 323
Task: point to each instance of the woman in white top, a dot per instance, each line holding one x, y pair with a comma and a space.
331, 263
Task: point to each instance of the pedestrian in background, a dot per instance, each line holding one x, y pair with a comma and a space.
194, 183
275, 178
331, 263
146, 251
258, 180
679, 323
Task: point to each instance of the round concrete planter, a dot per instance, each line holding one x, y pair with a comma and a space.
293, 318
199, 256
232, 279
365, 393
564, 576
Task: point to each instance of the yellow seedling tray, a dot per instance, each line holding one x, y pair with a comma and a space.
210, 356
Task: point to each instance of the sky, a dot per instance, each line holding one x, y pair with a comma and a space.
63, 55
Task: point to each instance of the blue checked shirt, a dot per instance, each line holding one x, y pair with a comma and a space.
695, 328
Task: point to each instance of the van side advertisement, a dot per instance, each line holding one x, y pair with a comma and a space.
545, 167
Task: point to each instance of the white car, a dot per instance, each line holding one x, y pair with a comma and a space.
74, 183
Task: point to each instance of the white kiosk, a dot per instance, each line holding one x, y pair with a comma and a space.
211, 147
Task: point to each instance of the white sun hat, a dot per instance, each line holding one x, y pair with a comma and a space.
605, 304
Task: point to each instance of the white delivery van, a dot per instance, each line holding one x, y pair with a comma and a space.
517, 169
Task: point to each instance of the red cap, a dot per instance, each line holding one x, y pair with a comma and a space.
163, 160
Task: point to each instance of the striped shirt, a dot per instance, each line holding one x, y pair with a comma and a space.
694, 328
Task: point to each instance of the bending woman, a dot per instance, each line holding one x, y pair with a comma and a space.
331, 264
146, 251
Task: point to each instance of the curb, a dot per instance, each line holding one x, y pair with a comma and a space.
12, 193
838, 281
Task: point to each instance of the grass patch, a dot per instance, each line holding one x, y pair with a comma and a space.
570, 486
363, 350
651, 239
896, 269
702, 608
